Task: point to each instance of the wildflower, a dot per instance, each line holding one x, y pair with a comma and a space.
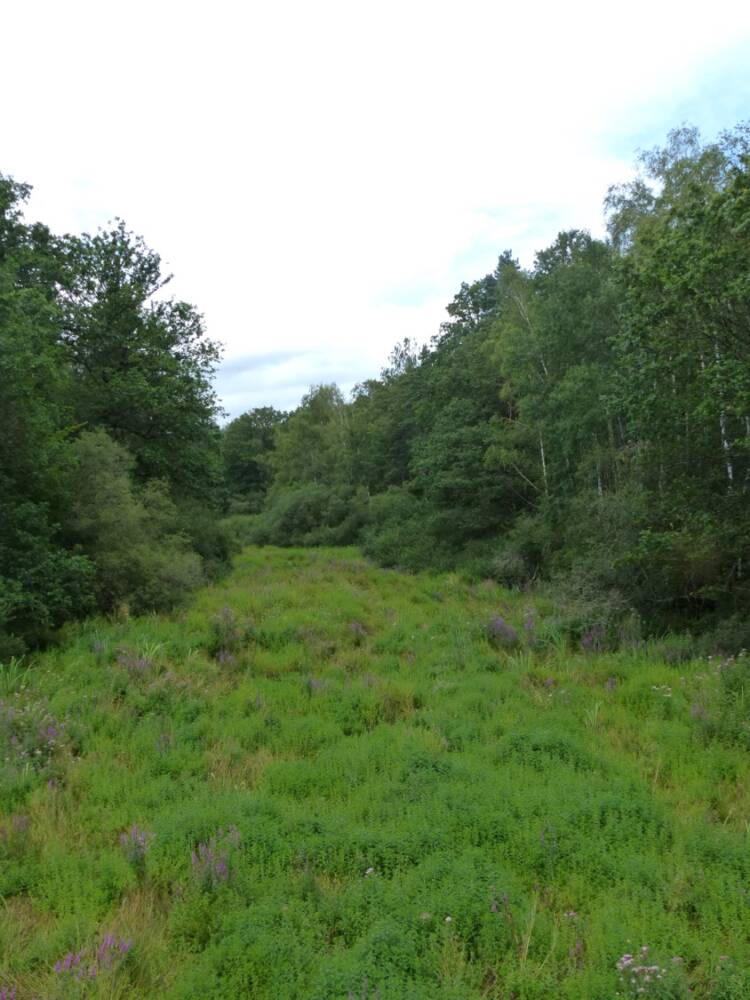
501, 634
313, 684
132, 662
110, 953
449, 919
592, 641
135, 845
210, 861
358, 631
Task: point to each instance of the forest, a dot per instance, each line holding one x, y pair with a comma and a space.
581, 426
437, 691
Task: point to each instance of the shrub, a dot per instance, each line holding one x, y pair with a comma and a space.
311, 515
501, 634
209, 536
240, 528
399, 532
142, 558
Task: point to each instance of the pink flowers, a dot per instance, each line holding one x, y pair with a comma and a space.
82, 965
210, 861
135, 845
640, 978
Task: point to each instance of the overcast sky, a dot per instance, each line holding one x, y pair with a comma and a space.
321, 176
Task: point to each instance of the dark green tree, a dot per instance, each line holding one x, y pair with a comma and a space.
247, 446
142, 363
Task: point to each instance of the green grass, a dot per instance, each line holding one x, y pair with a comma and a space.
396, 807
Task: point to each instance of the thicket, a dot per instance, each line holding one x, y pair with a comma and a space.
583, 423
110, 469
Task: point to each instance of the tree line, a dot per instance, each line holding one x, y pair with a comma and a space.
110, 462
584, 422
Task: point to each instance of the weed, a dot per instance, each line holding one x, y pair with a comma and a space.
429, 807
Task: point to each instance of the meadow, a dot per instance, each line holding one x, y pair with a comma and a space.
326, 780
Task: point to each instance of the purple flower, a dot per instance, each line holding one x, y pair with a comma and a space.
132, 662
501, 634
210, 861
592, 641
135, 845
110, 953
358, 631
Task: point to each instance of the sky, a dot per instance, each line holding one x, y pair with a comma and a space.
320, 177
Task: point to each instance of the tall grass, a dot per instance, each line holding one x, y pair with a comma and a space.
328, 781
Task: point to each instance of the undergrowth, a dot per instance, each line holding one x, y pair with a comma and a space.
327, 781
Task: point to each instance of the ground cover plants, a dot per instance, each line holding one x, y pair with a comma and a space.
326, 780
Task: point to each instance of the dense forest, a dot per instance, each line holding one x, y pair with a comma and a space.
581, 425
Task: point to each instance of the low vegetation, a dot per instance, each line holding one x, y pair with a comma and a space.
332, 781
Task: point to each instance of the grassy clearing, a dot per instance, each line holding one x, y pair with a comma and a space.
328, 781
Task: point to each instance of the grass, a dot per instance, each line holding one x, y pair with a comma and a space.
325, 781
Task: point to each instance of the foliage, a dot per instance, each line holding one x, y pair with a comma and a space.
311, 514
132, 536
109, 453
247, 445
143, 363
378, 801
585, 420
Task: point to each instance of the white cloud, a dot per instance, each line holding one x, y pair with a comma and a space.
320, 177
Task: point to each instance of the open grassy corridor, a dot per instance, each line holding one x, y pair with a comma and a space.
324, 781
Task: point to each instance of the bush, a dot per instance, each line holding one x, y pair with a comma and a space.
593, 620
311, 515
141, 557
49, 586
729, 638
210, 537
399, 533
240, 528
